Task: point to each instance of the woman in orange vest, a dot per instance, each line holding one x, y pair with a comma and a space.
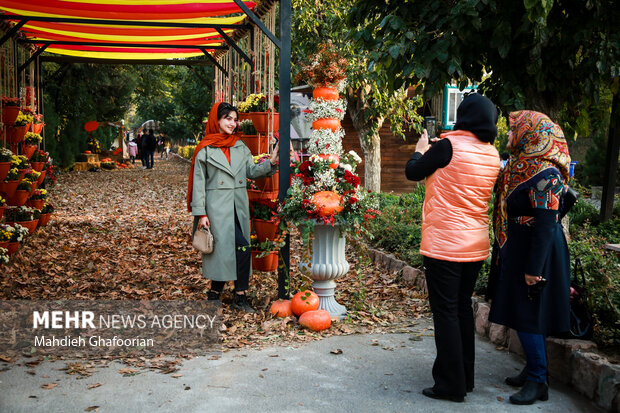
460, 170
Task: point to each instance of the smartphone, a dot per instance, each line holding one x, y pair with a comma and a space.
430, 124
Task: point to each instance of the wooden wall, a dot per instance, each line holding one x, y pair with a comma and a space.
395, 152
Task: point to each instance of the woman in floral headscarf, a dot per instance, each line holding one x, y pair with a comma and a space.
531, 294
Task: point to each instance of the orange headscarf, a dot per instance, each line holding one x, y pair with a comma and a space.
213, 137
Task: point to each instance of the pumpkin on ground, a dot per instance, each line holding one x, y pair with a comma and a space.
281, 308
316, 320
304, 301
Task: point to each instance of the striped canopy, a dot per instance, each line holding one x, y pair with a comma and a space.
122, 36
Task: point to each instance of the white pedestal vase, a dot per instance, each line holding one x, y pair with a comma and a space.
328, 262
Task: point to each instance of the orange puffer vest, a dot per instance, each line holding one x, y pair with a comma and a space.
455, 225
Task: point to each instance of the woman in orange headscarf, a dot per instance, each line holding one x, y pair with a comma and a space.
218, 199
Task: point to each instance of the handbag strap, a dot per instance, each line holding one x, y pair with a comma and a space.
578, 272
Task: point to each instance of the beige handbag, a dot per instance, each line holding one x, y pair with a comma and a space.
203, 240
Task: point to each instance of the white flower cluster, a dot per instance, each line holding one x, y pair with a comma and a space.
4, 256
326, 180
321, 109
20, 231
326, 141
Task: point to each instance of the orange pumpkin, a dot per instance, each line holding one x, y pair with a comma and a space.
325, 93
316, 320
304, 301
326, 123
281, 308
87, 152
327, 202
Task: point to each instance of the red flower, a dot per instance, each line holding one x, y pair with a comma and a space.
352, 179
352, 200
304, 167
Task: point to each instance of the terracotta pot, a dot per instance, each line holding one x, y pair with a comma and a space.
325, 93
41, 178
8, 188
36, 203
9, 114
255, 195
31, 225
44, 219
256, 144
28, 150
38, 166
327, 202
19, 198
267, 263
22, 173
33, 187
271, 183
265, 229
263, 120
15, 134
2, 211
243, 116
37, 127
326, 123
5, 167
334, 158
4, 244
13, 247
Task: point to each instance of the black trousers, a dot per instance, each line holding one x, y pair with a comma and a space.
450, 287
243, 255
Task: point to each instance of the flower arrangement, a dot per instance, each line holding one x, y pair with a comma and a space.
47, 208
325, 141
93, 144
39, 156
267, 246
261, 158
32, 138
257, 102
20, 214
13, 175
320, 109
28, 111
38, 119
247, 127
32, 176
24, 185
6, 155
4, 256
18, 232
5, 234
49, 168
19, 161
326, 68
7, 101
38, 194
264, 209
22, 119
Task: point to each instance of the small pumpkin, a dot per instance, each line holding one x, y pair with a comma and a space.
327, 202
304, 301
326, 123
281, 308
87, 152
316, 320
325, 93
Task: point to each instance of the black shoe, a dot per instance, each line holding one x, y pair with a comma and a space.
213, 295
430, 392
240, 302
530, 392
518, 380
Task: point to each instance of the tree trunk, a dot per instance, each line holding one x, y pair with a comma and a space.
369, 141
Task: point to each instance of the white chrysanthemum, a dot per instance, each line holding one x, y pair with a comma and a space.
325, 141
355, 156
321, 109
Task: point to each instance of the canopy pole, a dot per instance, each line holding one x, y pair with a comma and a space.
12, 31
611, 163
254, 19
32, 57
285, 135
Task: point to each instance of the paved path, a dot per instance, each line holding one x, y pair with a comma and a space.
374, 373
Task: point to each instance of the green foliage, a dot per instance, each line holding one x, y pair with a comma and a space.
398, 229
539, 54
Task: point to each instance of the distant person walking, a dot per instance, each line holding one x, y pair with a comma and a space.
149, 145
132, 149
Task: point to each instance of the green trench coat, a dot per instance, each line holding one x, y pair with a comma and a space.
219, 188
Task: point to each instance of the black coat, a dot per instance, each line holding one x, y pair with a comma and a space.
537, 248
149, 143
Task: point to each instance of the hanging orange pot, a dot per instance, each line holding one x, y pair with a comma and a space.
4, 244
8, 188
265, 121
267, 263
255, 195
19, 198
265, 229
28, 150
41, 178
44, 219
256, 144
5, 167
38, 166
325, 93
36, 203
9, 114
327, 203
31, 225
271, 183
15, 134
12, 248
326, 123
2, 213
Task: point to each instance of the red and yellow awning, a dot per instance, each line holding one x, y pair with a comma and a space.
206, 12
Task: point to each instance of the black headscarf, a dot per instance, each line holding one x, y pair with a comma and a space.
478, 115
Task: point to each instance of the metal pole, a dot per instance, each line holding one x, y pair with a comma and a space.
285, 133
611, 163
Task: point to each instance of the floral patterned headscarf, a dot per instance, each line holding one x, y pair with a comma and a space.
539, 144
